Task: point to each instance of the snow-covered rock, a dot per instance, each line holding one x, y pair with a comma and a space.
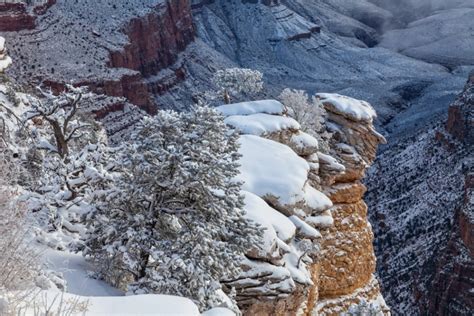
270, 169
355, 109
252, 107
258, 210
260, 124
5, 60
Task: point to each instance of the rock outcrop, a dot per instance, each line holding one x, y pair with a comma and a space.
347, 257
19, 15
155, 39
325, 262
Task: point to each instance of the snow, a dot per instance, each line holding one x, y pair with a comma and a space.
5, 61
157, 305
261, 123
74, 269
306, 230
357, 110
316, 200
330, 162
323, 221
297, 269
252, 107
258, 210
304, 142
219, 311
270, 169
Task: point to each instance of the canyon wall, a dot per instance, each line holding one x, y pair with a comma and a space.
421, 196
453, 281
16, 15
155, 40
58, 42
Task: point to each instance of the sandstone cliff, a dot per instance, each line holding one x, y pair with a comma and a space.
324, 261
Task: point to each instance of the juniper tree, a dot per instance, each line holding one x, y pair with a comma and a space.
173, 223
65, 146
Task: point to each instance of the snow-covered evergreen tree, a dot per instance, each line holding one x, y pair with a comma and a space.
173, 223
231, 82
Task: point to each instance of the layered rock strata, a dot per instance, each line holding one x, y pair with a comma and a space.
320, 259
421, 195
120, 49
453, 280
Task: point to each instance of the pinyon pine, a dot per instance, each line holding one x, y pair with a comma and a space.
173, 223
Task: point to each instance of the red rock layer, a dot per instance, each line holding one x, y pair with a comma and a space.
156, 39
15, 17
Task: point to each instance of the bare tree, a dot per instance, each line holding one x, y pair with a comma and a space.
61, 113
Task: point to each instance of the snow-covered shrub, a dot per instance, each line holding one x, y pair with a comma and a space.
232, 82
309, 112
18, 267
173, 222
364, 309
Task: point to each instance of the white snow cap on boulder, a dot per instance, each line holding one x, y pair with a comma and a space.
5, 60
354, 109
252, 107
261, 123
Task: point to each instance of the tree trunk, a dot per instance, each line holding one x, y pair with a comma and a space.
226, 97
61, 142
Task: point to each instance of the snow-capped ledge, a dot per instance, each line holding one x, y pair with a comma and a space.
356, 110
261, 123
252, 107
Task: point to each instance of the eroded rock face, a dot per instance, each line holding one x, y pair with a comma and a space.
421, 195
347, 257
155, 39
453, 280
341, 265
16, 16
460, 122
118, 48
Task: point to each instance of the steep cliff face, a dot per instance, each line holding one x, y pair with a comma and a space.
429, 207
16, 15
453, 281
323, 261
347, 257
120, 56
155, 39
